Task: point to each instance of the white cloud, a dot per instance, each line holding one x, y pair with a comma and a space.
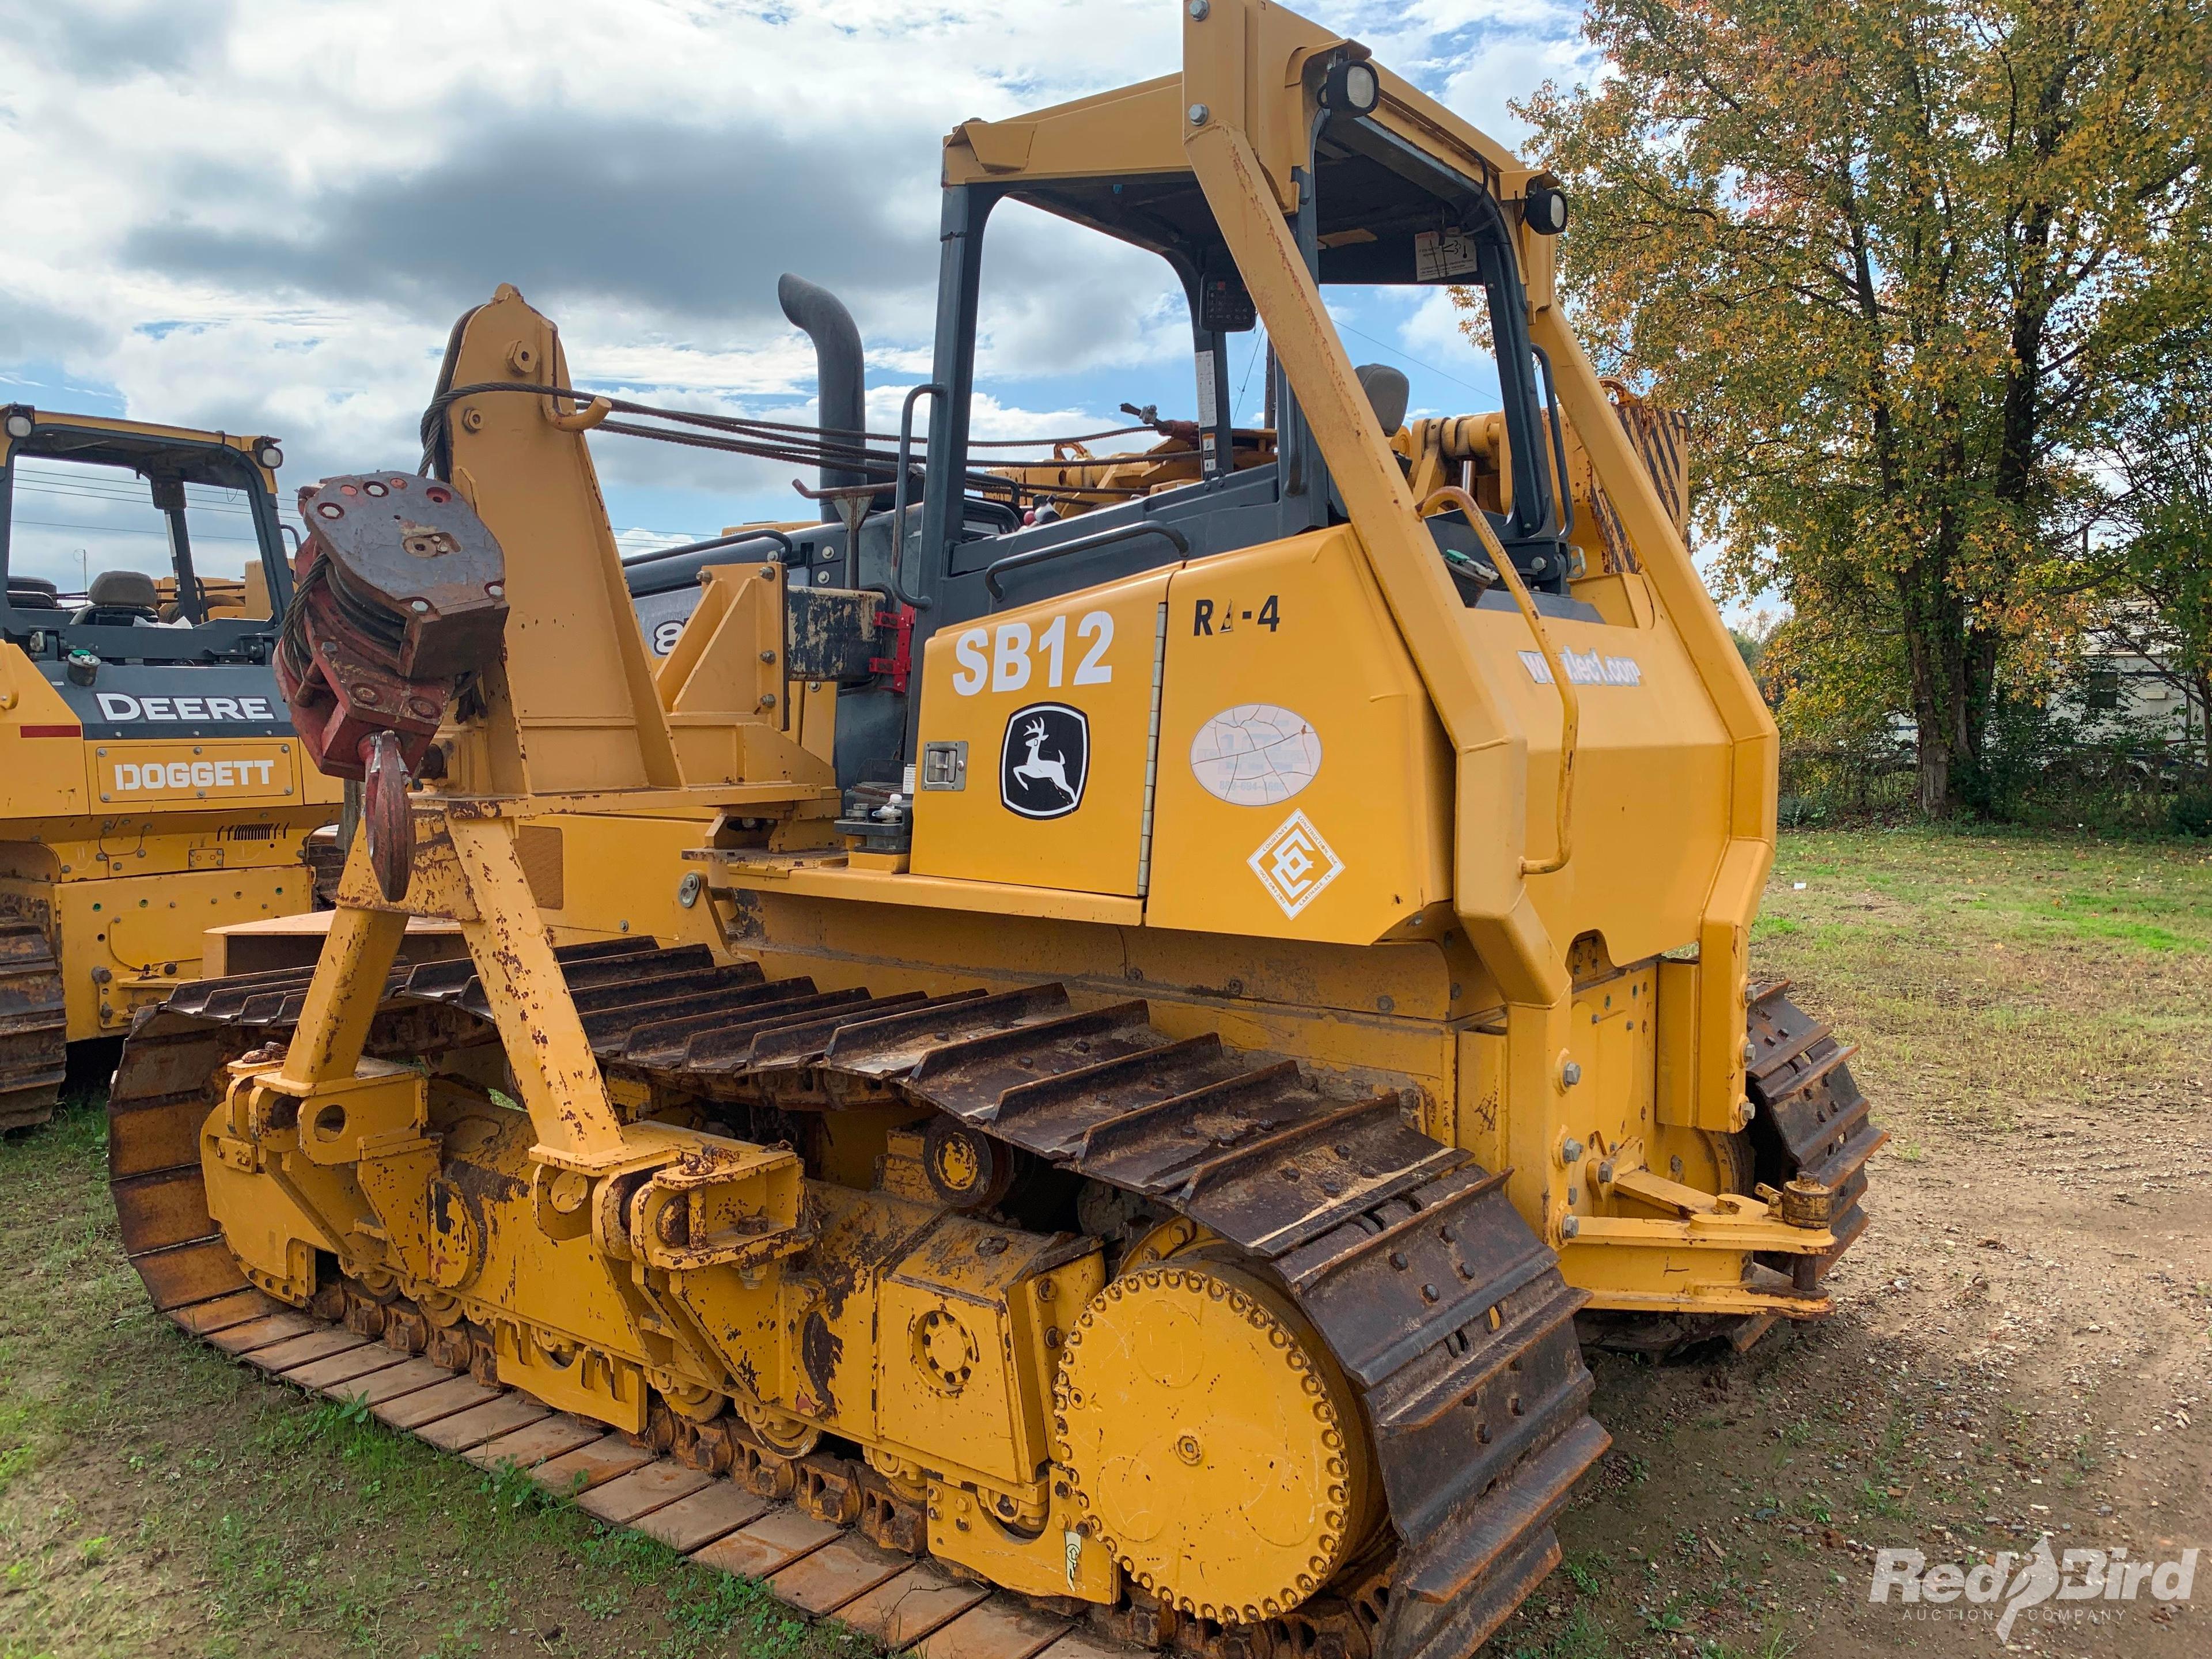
263, 216
1432, 330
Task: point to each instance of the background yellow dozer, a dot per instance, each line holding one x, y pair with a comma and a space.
150, 783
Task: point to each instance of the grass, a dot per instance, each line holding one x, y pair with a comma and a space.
2034, 890
1985, 971
155, 1498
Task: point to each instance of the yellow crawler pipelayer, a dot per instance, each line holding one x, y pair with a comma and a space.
1348, 1096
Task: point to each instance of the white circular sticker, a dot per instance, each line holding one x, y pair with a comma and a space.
1256, 754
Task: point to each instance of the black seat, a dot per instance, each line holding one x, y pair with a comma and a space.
33, 593
120, 599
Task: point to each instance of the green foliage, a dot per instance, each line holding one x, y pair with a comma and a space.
2190, 813
1891, 258
1588, 1572
514, 1494
1584, 1637
2043, 766
2158, 445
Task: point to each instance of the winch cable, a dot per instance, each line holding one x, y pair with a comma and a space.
775, 441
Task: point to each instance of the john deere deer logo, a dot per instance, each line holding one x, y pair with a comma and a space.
1045, 760
1041, 767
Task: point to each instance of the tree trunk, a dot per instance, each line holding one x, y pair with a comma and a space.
1936, 735
1941, 650
1934, 772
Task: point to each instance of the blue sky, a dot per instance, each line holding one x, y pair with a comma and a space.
264, 216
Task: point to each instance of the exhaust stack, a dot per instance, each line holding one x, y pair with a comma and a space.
841, 389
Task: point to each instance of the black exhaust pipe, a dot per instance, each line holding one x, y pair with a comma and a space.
839, 382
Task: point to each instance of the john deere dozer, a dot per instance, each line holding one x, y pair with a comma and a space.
1107, 1049
150, 784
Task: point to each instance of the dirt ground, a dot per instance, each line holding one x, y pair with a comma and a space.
2023, 1338
2021, 1349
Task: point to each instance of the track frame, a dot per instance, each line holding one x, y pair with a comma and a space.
1477, 1403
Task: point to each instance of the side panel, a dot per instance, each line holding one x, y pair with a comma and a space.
1304, 787
1650, 787
174, 702
40, 771
599, 877
1054, 704
128, 942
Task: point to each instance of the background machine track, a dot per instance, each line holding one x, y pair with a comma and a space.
34, 1026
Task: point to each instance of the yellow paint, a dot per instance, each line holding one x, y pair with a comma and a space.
132, 938
247, 446
342, 996
1297, 626
840, 876
621, 877
1059, 1559
1238, 1515
225, 772
730, 709
577, 707
988, 684
127, 879
1429, 902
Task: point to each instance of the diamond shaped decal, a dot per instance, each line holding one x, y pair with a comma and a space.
1294, 864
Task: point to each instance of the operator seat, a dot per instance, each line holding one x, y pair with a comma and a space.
1388, 393
120, 599
33, 593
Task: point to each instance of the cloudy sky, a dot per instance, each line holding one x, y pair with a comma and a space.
265, 214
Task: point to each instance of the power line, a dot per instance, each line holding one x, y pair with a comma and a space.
104, 486
1258, 339
126, 530
93, 476
128, 501
86, 478
1415, 361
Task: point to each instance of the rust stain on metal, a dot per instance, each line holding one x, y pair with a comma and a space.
820, 1348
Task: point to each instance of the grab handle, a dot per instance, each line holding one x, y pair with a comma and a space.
1570, 708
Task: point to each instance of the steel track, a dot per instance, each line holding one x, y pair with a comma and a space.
1446, 1312
1809, 1119
34, 1027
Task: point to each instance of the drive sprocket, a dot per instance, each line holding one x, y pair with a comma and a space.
1234, 1517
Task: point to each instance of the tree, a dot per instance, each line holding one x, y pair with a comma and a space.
1886, 254
2157, 455
1753, 636
1749, 647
